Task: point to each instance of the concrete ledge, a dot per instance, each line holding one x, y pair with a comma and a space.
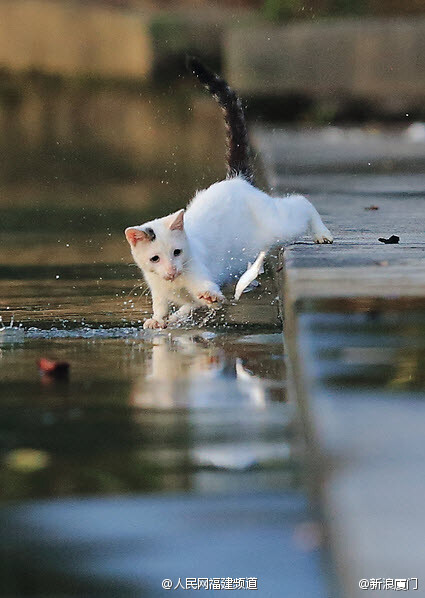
354, 334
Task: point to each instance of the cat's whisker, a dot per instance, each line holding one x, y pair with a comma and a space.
138, 286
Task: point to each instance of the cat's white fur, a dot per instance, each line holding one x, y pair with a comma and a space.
224, 227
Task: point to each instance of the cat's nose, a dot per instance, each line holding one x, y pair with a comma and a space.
171, 273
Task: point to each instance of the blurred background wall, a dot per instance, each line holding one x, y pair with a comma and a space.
319, 7
98, 88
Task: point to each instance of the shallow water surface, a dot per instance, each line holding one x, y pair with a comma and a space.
192, 422
159, 447
197, 408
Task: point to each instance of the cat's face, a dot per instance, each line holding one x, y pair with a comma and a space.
160, 247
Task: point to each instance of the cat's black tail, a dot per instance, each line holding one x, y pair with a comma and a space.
238, 149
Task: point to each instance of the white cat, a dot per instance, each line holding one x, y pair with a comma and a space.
187, 256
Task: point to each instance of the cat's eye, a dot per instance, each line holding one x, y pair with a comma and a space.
177, 252
155, 258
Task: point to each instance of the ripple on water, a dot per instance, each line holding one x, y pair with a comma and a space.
102, 333
84, 332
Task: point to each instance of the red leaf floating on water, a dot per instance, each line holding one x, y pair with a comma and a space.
53, 367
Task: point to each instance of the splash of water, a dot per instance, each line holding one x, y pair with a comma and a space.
11, 333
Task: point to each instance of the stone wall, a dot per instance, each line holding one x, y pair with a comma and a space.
376, 60
303, 9
72, 38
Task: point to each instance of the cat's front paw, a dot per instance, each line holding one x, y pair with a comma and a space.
210, 297
153, 323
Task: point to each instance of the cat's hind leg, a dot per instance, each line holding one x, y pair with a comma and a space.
319, 232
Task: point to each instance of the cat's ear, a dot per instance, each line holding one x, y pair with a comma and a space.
134, 235
177, 222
